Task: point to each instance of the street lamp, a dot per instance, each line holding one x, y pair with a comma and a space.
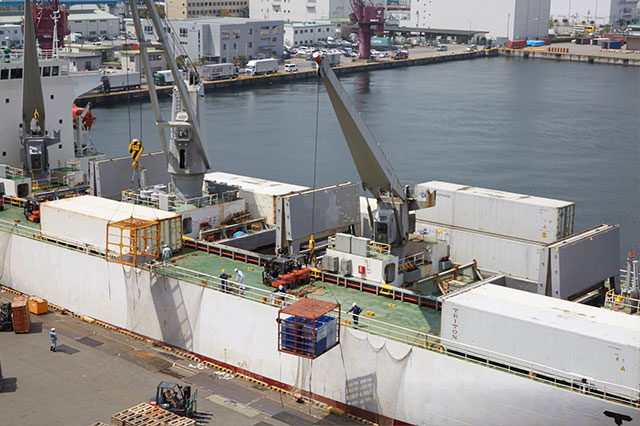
469, 32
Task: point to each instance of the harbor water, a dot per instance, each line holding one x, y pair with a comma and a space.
553, 129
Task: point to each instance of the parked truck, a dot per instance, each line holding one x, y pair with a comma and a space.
163, 78
115, 82
219, 71
333, 58
262, 66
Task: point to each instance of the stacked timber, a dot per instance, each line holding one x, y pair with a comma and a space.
20, 314
145, 414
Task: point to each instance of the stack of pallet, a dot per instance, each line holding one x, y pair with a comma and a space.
20, 314
149, 415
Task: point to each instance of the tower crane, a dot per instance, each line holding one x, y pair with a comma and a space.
368, 17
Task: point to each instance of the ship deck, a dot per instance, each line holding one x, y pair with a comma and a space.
408, 315
13, 214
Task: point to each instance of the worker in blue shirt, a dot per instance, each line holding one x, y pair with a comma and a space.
223, 281
355, 312
54, 339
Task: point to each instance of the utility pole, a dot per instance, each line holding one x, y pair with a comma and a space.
508, 19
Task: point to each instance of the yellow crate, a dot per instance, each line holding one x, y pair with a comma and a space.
38, 306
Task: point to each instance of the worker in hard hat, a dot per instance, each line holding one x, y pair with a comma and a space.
223, 281
355, 313
166, 255
240, 279
54, 339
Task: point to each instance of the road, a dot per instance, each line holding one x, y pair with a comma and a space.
97, 372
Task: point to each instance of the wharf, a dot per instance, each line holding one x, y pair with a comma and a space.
571, 52
355, 66
98, 371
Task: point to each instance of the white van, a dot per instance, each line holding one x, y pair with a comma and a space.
290, 67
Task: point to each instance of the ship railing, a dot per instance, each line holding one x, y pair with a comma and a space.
376, 247
496, 360
64, 241
411, 262
621, 302
153, 200
227, 286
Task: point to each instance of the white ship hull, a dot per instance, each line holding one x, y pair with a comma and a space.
390, 379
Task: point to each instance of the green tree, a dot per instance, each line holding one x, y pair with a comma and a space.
240, 60
203, 60
180, 61
551, 23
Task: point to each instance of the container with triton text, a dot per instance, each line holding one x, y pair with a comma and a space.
583, 345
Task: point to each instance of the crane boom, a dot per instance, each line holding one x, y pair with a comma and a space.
374, 168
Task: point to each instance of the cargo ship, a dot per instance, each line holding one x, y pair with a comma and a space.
474, 302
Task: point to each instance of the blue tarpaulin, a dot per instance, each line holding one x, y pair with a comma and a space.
535, 43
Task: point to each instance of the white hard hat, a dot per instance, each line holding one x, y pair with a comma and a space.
354, 304
236, 270
53, 329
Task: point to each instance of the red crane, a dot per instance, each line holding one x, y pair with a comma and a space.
50, 20
367, 16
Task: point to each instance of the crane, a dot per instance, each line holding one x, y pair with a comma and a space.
35, 138
366, 16
390, 222
185, 154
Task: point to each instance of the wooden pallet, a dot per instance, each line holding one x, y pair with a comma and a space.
149, 415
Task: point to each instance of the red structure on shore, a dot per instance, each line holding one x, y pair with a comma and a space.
368, 18
50, 20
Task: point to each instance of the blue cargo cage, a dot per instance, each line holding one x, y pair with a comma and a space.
311, 328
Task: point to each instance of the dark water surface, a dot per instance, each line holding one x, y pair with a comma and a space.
553, 129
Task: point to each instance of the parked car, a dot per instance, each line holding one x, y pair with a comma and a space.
441, 48
290, 67
472, 47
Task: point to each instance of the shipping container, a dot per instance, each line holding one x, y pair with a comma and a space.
493, 253
38, 305
613, 44
83, 221
20, 315
259, 194
536, 219
516, 44
582, 344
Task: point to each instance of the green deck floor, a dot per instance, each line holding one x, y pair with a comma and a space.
11, 213
402, 314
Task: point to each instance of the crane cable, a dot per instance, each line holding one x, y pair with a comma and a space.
315, 170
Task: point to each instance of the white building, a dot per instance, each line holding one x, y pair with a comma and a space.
623, 12
219, 40
515, 19
183, 9
299, 10
93, 22
10, 35
307, 33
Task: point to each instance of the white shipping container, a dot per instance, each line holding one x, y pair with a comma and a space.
561, 338
83, 220
492, 252
542, 220
259, 194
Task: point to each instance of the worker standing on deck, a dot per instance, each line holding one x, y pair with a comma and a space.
223, 281
166, 255
355, 312
240, 275
54, 339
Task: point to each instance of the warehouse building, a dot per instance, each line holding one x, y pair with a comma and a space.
93, 22
307, 33
219, 40
517, 19
299, 10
